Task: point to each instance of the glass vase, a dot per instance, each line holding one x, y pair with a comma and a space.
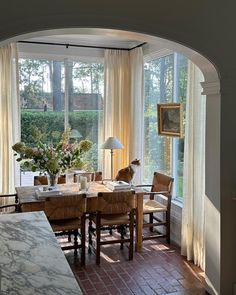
52, 179
69, 177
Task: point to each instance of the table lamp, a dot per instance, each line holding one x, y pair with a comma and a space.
112, 143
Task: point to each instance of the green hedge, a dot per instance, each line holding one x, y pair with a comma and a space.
86, 122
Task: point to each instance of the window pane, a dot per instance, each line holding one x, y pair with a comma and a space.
42, 102
85, 81
158, 89
165, 82
181, 68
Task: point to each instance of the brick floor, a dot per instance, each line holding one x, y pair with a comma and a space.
159, 269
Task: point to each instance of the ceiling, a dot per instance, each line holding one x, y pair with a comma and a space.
89, 40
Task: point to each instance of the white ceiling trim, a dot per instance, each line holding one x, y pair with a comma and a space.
52, 52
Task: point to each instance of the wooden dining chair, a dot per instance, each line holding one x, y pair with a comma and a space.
114, 209
66, 214
97, 176
9, 207
42, 180
158, 205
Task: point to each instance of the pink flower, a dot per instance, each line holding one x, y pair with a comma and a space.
35, 150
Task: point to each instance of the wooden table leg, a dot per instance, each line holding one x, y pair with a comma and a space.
139, 223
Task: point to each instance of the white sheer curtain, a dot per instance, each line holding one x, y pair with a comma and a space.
9, 114
192, 240
136, 110
123, 106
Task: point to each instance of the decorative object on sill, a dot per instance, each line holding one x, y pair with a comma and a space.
112, 143
126, 174
170, 119
49, 158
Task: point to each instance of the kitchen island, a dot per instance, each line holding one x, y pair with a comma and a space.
31, 260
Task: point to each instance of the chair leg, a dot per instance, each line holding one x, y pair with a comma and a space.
110, 230
168, 227
82, 240
69, 237
131, 230
90, 236
75, 241
151, 221
122, 231
98, 237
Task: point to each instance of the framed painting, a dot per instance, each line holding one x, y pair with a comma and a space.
170, 119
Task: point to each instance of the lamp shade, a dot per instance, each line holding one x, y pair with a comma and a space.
112, 143
75, 134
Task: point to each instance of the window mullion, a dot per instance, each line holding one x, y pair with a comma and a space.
175, 140
66, 94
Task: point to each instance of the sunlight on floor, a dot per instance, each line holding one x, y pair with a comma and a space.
108, 259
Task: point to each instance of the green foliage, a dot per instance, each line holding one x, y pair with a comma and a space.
86, 122
52, 125
47, 122
84, 72
31, 73
90, 159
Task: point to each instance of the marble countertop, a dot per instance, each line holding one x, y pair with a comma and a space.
31, 260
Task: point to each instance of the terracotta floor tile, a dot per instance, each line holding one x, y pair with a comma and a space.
159, 269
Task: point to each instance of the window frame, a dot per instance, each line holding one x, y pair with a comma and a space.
47, 52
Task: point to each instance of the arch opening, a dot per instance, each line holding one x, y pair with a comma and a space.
211, 88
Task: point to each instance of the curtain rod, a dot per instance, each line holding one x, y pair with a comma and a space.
67, 45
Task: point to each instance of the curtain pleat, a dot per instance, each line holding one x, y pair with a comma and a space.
192, 239
136, 141
9, 114
121, 78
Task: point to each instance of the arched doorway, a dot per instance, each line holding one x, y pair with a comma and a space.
211, 90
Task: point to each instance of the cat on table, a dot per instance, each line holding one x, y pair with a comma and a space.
126, 174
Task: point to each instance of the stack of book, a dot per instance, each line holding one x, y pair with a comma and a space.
118, 185
42, 195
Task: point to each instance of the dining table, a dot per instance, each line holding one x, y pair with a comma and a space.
29, 202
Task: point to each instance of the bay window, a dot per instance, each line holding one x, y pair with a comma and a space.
66, 92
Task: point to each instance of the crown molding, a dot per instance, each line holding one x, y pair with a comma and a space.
210, 88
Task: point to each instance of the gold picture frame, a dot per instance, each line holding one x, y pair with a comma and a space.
170, 119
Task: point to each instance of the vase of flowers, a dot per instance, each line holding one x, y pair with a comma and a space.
49, 158
52, 179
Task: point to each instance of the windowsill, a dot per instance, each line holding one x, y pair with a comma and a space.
177, 202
